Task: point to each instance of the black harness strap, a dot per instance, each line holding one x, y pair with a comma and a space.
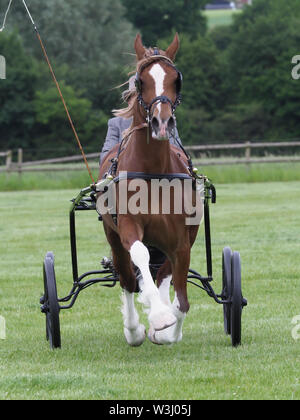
148, 177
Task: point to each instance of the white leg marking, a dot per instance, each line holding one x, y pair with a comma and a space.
160, 316
172, 334
135, 333
164, 290
180, 318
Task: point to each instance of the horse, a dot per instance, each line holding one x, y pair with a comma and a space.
147, 154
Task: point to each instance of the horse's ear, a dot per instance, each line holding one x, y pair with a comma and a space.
139, 47
173, 48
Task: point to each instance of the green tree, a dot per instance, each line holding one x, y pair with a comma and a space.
92, 38
221, 36
264, 39
52, 125
87, 42
157, 19
16, 93
199, 62
77, 32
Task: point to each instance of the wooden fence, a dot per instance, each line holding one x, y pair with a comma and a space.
8, 160
65, 163
248, 157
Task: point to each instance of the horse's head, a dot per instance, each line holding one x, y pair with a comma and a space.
158, 84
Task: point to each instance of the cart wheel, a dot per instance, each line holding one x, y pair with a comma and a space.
50, 303
226, 293
236, 300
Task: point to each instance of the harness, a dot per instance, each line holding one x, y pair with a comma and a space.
146, 176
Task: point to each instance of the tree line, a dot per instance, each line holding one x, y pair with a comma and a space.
237, 79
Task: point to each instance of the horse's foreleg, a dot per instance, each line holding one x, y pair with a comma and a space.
160, 315
180, 304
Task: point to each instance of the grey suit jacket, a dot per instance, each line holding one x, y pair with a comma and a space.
114, 136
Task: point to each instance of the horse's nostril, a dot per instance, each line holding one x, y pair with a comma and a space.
171, 124
155, 124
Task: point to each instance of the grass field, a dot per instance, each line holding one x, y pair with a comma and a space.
261, 220
220, 174
219, 17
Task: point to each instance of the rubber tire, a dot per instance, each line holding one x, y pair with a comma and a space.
226, 293
236, 300
51, 302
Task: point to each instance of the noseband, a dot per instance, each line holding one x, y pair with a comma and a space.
158, 99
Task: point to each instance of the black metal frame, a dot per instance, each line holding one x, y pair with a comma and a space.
86, 201
109, 277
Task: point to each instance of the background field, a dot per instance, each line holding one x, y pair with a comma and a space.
219, 17
220, 174
260, 220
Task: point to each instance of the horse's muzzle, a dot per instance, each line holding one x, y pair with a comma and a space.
162, 130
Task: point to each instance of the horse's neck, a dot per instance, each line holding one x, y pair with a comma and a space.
143, 153
151, 155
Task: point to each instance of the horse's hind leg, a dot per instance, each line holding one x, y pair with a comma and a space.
135, 333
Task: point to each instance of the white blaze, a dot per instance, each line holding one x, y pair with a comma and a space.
158, 74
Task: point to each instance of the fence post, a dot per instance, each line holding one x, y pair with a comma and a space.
20, 161
8, 160
248, 150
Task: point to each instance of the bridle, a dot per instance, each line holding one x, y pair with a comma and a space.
148, 108
158, 99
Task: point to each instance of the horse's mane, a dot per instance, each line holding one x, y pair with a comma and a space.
148, 59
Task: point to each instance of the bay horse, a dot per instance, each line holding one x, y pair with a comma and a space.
147, 154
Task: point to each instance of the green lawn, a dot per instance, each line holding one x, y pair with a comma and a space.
220, 174
219, 17
262, 221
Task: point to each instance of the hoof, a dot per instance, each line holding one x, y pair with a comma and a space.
162, 320
135, 338
151, 336
164, 337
